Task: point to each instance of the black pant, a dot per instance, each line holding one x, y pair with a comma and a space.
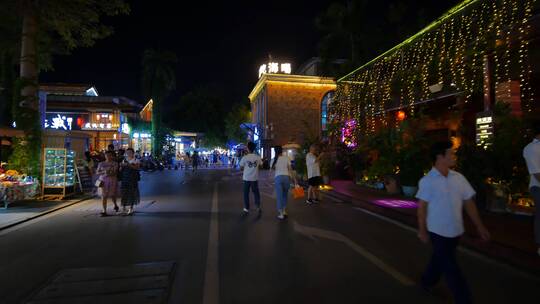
443, 261
254, 185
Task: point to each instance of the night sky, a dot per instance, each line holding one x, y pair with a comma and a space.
221, 42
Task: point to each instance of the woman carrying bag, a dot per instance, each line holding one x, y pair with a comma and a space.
282, 180
129, 169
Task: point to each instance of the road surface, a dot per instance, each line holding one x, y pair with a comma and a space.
189, 243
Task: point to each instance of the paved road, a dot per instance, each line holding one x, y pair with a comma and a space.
188, 243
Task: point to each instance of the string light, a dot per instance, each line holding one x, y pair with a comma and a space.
451, 52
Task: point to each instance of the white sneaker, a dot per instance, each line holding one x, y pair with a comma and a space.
281, 217
245, 210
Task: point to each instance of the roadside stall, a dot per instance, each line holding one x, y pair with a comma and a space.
15, 186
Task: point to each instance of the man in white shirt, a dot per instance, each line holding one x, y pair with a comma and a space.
531, 153
442, 195
250, 164
314, 175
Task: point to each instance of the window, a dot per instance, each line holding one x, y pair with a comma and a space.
325, 104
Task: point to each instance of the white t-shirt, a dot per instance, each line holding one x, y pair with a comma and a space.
445, 197
313, 168
251, 163
282, 165
531, 153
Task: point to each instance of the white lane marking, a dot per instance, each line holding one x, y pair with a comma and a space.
332, 235
472, 253
384, 218
211, 277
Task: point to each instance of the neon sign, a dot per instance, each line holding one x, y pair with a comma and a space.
59, 121
347, 133
275, 68
484, 129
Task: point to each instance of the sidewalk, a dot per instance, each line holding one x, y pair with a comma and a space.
23, 211
512, 236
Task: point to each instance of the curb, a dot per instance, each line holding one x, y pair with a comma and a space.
47, 212
493, 251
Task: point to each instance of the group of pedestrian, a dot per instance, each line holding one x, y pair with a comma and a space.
283, 174
118, 175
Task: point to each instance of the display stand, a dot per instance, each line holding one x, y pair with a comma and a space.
58, 173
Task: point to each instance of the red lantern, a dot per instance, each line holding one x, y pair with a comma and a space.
80, 121
401, 115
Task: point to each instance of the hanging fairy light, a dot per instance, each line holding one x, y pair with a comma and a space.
451, 50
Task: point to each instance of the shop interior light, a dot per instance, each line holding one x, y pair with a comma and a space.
401, 115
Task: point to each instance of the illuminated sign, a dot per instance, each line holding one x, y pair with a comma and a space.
484, 129
347, 133
256, 135
101, 121
274, 68
63, 121
97, 126
141, 135
125, 128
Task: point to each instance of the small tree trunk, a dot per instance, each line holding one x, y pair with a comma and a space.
27, 151
29, 68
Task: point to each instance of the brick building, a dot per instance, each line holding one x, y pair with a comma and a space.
289, 109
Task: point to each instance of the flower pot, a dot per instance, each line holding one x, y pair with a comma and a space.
498, 198
409, 191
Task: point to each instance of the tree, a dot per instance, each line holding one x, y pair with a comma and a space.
49, 27
202, 110
239, 115
158, 81
350, 30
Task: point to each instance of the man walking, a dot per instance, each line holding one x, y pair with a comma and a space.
531, 153
442, 195
250, 165
314, 175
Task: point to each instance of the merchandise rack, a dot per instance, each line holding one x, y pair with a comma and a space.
58, 173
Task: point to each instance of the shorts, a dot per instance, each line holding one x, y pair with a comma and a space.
315, 181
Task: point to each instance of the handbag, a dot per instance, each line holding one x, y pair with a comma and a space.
298, 192
99, 183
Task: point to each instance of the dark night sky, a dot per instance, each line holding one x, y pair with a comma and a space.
220, 42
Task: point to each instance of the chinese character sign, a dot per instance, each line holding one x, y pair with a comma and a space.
484, 129
58, 122
275, 68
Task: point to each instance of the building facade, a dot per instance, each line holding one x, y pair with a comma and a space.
289, 109
77, 118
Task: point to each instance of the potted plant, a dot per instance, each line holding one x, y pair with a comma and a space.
411, 170
412, 156
506, 169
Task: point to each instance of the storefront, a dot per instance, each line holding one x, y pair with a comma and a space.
78, 119
142, 142
468, 77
